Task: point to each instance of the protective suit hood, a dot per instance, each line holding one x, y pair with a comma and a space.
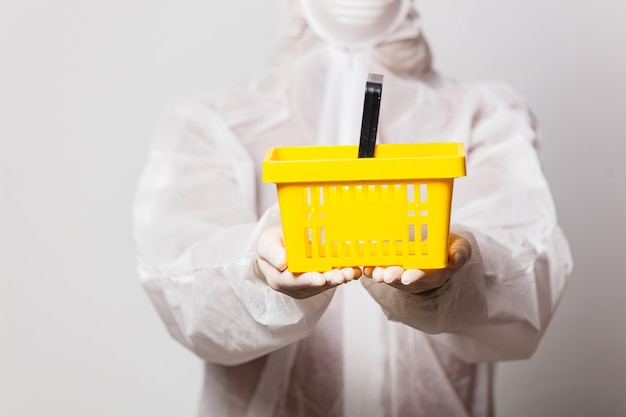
326, 80
353, 23
401, 48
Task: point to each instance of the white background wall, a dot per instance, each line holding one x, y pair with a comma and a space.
81, 85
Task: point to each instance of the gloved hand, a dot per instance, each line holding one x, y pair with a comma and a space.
273, 264
418, 281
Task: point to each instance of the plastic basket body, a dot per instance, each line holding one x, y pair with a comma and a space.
338, 210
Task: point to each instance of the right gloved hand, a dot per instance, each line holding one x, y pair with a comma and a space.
272, 263
418, 281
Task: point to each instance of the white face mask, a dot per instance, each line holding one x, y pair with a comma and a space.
354, 22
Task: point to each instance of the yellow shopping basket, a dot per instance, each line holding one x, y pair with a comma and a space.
338, 210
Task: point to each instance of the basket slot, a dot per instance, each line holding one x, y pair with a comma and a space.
308, 242
361, 251
398, 193
360, 195
400, 246
423, 228
314, 233
385, 249
371, 247
315, 242
424, 238
423, 193
385, 193
346, 248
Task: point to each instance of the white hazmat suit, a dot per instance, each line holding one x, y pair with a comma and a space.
363, 348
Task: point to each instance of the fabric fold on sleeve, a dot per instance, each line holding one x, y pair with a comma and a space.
196, 229
500, 303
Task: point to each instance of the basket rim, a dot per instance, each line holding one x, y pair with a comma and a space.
305, 164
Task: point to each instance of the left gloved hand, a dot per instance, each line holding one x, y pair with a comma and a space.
418, 281
272, 263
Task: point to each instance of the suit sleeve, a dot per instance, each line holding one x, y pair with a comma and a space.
195, 228
498, 306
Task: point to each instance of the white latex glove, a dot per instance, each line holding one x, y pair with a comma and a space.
418, 281
273, 264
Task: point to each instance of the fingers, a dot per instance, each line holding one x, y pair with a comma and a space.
389, 275
341, 276
411, 276
418, 281
351, 273
377, 273
306, 284
271, 247
392, 274
273, 264
280, 280
296, 286
459, 252
334, 277
409, 280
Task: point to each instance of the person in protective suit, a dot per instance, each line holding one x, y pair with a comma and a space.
394, 342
